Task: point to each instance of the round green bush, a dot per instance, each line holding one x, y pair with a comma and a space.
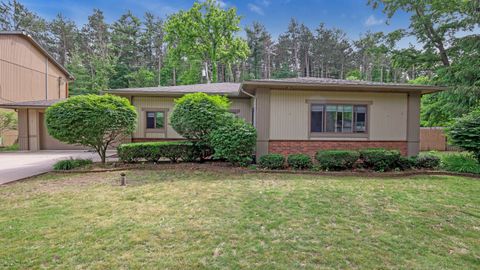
233, 140
428, 162
336, 160
299, 161
196, 115
379, 159
91, 120
272, 161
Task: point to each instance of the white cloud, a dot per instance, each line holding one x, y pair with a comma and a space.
222, 4
371, 21
265, 3
256, 9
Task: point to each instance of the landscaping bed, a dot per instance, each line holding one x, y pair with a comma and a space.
218, 166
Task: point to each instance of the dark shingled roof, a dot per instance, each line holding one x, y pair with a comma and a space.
31, 104
229, 89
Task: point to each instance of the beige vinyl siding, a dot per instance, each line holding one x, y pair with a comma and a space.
152, 103
142, 104
290, 111
23, 70
33, 130
23, 129
245, 107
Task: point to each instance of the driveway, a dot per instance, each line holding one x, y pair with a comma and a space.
19, 165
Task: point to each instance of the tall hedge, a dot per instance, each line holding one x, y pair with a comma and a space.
196, 115
91, 120
233, 140
465, 133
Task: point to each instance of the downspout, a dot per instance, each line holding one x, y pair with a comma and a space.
254, 105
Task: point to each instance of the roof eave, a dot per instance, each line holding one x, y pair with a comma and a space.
423, 89
146, 93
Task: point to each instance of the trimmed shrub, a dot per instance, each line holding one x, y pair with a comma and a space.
272, 161
299, 161
428, 162
406, 163
91, 120
234, 140
337, 160
379, 159
154, 151
70, 164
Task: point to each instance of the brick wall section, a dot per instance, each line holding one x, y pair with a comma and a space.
311, 147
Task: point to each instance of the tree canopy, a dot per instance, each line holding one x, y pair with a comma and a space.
204, 44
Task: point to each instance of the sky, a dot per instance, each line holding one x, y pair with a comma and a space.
353, 16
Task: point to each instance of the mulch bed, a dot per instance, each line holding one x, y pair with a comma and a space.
225, 167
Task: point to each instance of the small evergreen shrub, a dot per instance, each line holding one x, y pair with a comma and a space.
428, 162
272, 161
379, 159
465, 133
70, 164
154, 151
406, 163
337, 160
299, 161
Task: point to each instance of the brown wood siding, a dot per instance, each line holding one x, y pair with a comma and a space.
23, 72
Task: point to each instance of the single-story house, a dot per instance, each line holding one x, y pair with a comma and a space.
297, 115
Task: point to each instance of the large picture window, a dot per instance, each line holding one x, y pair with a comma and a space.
338, 118
155, 120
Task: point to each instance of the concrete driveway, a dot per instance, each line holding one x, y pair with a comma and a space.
19, 165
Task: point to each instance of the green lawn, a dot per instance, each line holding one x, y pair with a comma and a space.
218, 219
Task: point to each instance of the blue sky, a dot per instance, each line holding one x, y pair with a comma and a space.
353, 16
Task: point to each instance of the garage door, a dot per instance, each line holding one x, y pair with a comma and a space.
47, 142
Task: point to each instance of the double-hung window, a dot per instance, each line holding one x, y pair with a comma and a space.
338, 119
155, 120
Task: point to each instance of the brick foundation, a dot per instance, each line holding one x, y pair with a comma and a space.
311, 147
155, 139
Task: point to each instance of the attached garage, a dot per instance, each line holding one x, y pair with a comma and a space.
32, 130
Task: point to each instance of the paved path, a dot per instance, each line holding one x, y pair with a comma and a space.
19, 165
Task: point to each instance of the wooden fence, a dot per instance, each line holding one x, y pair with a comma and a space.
434, 138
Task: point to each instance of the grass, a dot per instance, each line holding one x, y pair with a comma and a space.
13, 147
214, 219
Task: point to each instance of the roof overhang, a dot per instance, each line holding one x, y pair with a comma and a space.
253, 86
34, 104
